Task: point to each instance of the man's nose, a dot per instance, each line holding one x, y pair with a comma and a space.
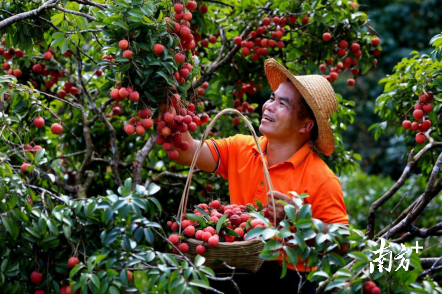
269, 105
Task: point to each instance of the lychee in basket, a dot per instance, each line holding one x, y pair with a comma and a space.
243, 255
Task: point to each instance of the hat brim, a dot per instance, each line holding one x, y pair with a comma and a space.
310, 87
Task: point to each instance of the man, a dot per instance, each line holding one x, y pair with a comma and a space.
294, 122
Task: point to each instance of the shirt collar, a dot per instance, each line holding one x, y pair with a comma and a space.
295, 159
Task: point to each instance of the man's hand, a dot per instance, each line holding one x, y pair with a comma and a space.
279, 207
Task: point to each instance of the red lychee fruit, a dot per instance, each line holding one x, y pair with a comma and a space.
39, 122
190, 231
174, 239
123, 44
191, 5
327, 37
129, 129
183, 247
406, 124
418, 115
213, 241
420, 138
200, 249
351, 82
36, 277
375, 41
158, 48
134, 96
127, 54
73, 261
56, 128
47, 55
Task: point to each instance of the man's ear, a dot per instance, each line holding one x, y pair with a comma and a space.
307, 127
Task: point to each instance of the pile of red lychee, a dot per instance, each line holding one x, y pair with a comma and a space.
235, 227
422, 124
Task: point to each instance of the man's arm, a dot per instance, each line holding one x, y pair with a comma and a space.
205, 160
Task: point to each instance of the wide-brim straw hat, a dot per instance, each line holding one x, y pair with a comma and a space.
318, 93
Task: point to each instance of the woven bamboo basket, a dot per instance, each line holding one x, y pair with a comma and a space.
243, 255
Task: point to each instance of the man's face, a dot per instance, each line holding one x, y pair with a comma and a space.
279, 118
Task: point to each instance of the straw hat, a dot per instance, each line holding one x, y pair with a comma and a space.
319, 95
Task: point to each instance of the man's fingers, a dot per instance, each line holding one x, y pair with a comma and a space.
277, 195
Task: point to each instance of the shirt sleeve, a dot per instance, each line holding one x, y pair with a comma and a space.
328, 203
220, 151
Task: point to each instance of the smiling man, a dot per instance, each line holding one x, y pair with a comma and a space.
295, 127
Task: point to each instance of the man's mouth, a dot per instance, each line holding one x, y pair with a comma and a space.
267, 118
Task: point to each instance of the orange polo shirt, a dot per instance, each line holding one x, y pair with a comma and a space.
304, 172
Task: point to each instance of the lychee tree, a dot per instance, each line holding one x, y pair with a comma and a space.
97, 92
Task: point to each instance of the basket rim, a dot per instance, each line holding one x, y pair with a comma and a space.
230, 244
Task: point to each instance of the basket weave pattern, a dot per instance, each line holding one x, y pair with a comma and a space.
243, 255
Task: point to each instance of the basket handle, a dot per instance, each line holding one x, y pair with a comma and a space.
268, 182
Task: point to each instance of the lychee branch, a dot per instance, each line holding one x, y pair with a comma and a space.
29, 14
57, 182
414, 231
25, 22
434, 264
2, 103
87, 16
432, 190
140, 159
59, 98
92, 3
114, 149
412, 160
44, 191
219, 2
101, 110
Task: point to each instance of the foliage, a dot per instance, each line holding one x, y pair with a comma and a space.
412, 78
301, 236
64, 203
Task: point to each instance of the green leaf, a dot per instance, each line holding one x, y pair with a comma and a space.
39, 155
67, 231
11, 226
194, 217
153, 189
230, 232
314, 275
199, 260
292, 254
220, 223
122, 25
75, 270
359, 256
261, 218
255, 232
272, 245
65, 45
335, 284
200, 283
95, 280
57, 18
202, 212
305, 212
290, 212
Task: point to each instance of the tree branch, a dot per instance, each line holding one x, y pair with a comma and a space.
2, 103
77, 106
91, 3
140, 159
25, 22
431, 191
87, 16
100, 111
28, 14
414, 231
433, 264
409, 166
43, 190
219, 2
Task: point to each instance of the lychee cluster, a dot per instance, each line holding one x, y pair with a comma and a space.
371, 288
139, 125
237, 223
265, 38
179, 119
8, 54
348, 56
422, 124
